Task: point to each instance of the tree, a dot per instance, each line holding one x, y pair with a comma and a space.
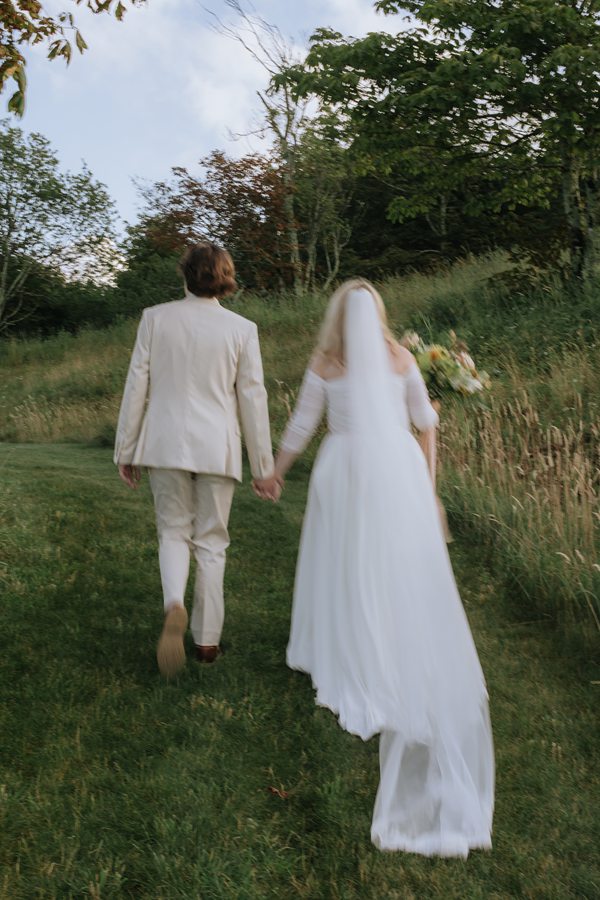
323, 193
410, 115
502, 94
285, 116
48, 219
241, 204
539, 64
24, 23
236, 202
150, 274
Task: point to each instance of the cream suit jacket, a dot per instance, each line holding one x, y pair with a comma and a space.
194, 366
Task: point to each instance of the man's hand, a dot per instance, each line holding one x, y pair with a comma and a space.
268, 488
131, 475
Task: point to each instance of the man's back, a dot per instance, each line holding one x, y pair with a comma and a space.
195, 362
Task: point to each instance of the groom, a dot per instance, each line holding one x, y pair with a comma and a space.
195, 367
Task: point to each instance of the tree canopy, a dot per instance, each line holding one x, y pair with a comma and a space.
489, 104
48, 218
26, 23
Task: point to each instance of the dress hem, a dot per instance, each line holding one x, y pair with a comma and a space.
451, 845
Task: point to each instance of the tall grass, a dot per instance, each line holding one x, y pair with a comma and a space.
64, 388
520, 474
530, 492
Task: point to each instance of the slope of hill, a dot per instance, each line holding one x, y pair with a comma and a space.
519, 472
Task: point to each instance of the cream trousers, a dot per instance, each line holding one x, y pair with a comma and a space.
192, 512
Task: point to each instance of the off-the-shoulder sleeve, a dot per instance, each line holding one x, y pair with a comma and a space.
421, 412
307, 414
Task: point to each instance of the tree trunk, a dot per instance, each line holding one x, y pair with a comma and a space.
4, 277
580, 238
290, 217
333, 266
444, 223
591, 187
438, 222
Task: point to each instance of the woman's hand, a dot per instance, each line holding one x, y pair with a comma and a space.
268, 488
131, 475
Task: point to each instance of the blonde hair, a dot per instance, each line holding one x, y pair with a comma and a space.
331, 336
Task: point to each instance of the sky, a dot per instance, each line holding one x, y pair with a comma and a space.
162, 89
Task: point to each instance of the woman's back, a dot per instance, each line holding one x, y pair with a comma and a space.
326, 388
377, 620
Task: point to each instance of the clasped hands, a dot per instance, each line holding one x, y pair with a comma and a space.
268, 488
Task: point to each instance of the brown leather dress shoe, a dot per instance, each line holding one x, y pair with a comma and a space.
207, 654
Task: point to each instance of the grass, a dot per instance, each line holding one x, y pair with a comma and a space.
520, 474
530, 492
116, 784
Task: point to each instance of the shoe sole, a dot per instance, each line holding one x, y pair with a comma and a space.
209, 660
170, 652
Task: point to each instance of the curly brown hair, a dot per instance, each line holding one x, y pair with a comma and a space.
208, 270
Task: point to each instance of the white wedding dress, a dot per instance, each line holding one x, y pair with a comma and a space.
377, 620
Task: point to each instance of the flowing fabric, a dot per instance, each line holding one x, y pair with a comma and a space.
377, 620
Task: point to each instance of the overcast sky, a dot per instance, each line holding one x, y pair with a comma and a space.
161, 88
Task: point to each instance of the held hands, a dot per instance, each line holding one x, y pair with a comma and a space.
131, 475
265, 488
268, 488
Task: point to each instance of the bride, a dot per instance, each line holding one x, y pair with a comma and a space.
377, 620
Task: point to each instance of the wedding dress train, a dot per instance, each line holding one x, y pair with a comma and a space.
377, 620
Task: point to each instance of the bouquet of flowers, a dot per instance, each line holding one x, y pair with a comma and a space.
446, 368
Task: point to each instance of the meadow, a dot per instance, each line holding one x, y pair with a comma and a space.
229, 782
520, 471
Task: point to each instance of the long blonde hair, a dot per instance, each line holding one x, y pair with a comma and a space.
331, 337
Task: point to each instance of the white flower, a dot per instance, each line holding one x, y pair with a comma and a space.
412, 341
466, 383
465, 360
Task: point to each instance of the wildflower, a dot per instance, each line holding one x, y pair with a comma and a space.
447, 367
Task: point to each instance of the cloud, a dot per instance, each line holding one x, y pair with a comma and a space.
354, 17
161, 88
156, 90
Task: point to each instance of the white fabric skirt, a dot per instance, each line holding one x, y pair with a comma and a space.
378, 624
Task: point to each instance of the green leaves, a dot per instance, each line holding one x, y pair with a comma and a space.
16, 71
81, 44
24, 23
16, 104
503, 94
48, 218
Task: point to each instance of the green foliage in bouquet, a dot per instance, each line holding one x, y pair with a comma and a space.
446, 369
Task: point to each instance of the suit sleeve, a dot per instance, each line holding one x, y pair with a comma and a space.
252, 403
133, 404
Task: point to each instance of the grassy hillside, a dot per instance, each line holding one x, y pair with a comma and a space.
230, 782
520, 474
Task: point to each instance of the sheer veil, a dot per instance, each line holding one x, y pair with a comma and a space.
387, 508
373, 414
414, 661
402, 595
367, 362
384, 453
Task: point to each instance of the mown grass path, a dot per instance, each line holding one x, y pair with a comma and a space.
229, 782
